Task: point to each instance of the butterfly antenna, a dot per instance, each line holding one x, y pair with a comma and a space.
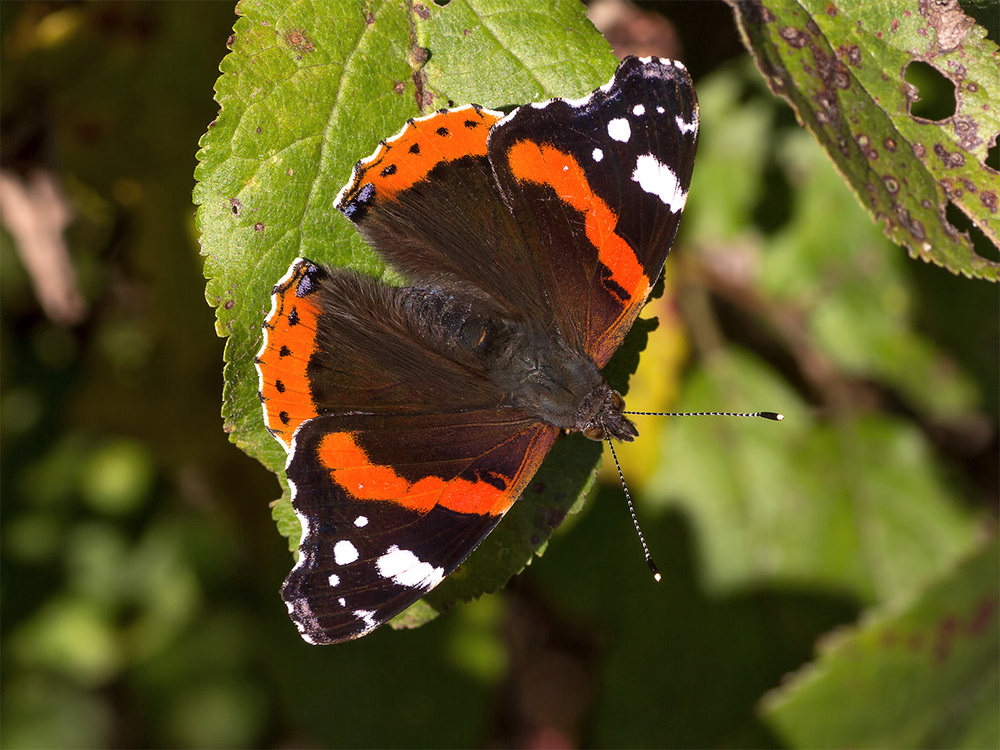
635, 521
774, 416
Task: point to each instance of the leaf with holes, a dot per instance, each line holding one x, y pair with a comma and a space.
309, 88
842, 66
920, 675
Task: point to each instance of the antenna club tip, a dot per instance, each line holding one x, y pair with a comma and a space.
772, 415
654, 570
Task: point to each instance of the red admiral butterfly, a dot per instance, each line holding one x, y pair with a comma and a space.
414, 417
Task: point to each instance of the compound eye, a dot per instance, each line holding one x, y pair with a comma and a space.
617, 402
594, 432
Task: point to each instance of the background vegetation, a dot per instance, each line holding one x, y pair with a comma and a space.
855, 542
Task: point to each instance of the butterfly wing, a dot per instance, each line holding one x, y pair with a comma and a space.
396, 479
428, 202
598, 185
391, 504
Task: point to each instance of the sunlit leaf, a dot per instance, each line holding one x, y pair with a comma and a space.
842, 67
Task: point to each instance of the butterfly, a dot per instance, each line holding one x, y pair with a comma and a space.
415, 416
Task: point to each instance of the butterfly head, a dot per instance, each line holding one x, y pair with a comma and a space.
609, 421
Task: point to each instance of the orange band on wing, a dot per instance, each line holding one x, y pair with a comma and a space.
290, 332
546, 165
423, 144
351, 468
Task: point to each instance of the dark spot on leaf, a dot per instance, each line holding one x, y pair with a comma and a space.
795, 37
852, 54
369, 17
948, 21
235, 206
983, 616
259, 130
913, 226
467, 32
944, 637
925, 203
919, 151
230, 41
422, 11
890, 144
229, 304
298, 40
258, 227
989, 200
398, 87
812, 28
972, 87
949, 158
831, 10
967, 130
891, 184
420, 55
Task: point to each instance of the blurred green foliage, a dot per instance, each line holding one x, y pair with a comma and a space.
140, 566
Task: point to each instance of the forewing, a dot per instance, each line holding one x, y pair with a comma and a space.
598, 185
429, 204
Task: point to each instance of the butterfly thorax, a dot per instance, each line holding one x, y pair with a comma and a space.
533, 367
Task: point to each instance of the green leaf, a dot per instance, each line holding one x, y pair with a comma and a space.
309, 88
920, 675
853, 506
842, 65
825, 279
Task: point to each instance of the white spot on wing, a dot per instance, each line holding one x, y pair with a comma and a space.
334, 579
620, 130
638, 110
361, 521
342, 602
344, 552
406, 569
687, 127
368, 617
658, 179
